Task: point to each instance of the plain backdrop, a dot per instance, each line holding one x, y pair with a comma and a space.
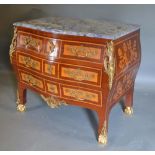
72, 127
143, 15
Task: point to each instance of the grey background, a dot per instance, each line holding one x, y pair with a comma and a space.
138, 14
73, 128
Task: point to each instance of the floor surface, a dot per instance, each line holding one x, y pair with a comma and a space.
71, 127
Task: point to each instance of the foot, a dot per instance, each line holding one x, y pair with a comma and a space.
103, 138
21, 107
128, 110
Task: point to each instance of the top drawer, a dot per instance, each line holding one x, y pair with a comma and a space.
82, 51
38, 44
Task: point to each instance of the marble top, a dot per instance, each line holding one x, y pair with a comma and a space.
80, 27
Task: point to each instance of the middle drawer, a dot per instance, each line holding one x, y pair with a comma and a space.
80, 74
29, 61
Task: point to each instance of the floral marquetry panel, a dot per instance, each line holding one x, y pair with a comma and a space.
28, 41
29, 62
82, 95
83, 51
31, 80
123, 84
80, 74
127, 53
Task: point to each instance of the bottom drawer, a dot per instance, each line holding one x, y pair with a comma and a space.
31, 80
81, 94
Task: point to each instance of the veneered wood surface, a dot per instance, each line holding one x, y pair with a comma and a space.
53, 80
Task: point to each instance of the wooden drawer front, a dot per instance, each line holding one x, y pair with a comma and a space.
29, 61
29, 41
50, 69
81, 94
88, 52
39, 44
80, 74
32, 80
52, 88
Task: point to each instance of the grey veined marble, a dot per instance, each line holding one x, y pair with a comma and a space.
80, 27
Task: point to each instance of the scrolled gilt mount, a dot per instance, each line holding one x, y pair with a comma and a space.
13, 44
52, 101
103, 138
109, 62
51, 46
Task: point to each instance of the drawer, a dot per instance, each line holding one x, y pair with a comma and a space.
82, 51
80, 74
38, 44
81, 94
29, 61
52, 88
50, 68
30, 41
31, 80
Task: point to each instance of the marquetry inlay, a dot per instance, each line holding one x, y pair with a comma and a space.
31, 42
29, 62
52, 88
82, 51
79, 74
80, 95
127, 53
31, 80
50, 69
123, 84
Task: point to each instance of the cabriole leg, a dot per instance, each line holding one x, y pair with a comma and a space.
102, 129
21, 98
128, 103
